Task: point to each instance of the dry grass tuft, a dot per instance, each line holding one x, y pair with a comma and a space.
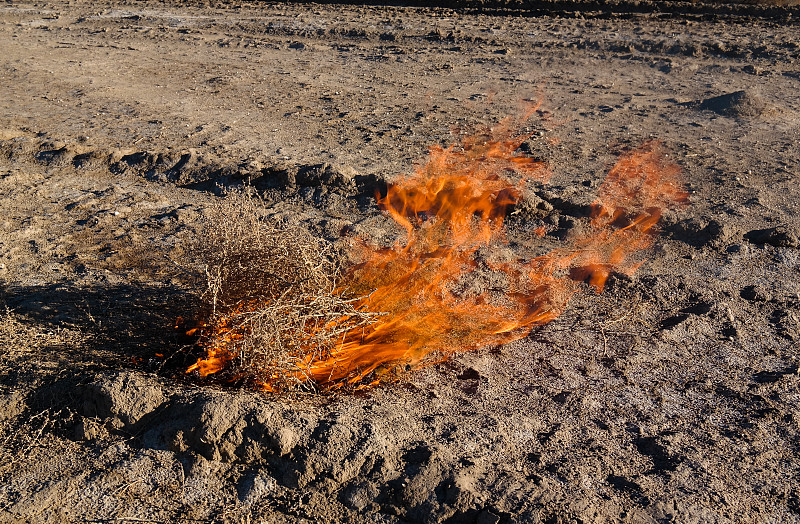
272, 295
21, 337
15, 336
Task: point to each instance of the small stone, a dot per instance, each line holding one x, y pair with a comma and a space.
360, 496
256, 488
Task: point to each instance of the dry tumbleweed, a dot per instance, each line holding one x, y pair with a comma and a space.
272, 293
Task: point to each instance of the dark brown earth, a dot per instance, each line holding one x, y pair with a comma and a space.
671, 397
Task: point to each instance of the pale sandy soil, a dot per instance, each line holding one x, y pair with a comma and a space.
671, 397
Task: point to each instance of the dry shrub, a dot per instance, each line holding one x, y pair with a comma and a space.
272, 294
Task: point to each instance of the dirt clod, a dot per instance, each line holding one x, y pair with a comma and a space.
739, 104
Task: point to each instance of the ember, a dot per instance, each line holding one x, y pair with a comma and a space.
453, 210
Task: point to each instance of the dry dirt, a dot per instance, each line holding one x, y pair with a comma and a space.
671, 397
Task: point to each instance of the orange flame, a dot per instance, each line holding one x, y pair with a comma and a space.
453, 210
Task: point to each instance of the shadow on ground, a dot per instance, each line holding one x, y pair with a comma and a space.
123, 326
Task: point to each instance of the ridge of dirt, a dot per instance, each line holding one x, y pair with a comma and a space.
784, 11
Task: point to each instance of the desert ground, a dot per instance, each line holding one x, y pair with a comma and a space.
672, 396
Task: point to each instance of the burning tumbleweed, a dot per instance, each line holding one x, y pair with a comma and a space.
286, 310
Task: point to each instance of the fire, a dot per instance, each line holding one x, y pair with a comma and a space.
453, 210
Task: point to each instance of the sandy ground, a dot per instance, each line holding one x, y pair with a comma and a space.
671, 397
